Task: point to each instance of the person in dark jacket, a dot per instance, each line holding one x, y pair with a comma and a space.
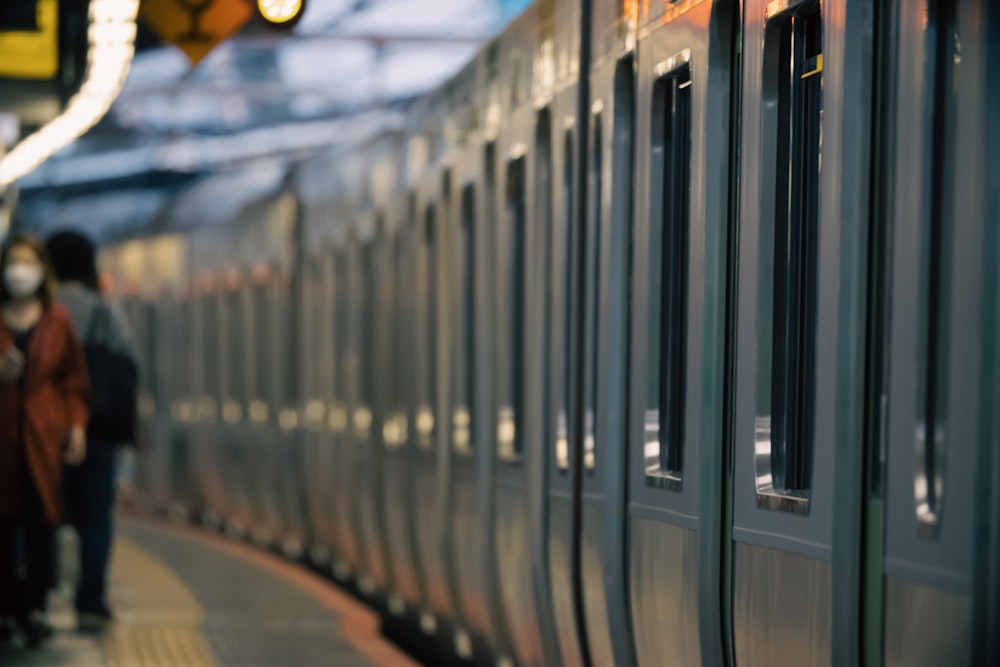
90, 488
44, 393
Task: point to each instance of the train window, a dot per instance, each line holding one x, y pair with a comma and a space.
340, 342
151, 337
593, 295
936, 243
465, 307
794, 81
211, 364
428, 306
262, 350
366, 311
561, 314
236, 373
510, 433
670, 175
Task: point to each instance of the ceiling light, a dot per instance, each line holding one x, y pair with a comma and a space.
281, 13
112, 44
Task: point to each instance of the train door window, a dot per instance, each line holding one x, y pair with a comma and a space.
670, 176
236, 372
428, 307
262, 352
794, 83
210, 335
593, 295
542, 236
464, 280
510, 428
151, 339
561, 313
935, 251
366, 312
340, 342
182, 353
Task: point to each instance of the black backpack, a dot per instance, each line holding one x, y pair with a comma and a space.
113, 382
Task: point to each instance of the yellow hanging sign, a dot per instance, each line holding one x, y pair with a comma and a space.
32, 54
195, 26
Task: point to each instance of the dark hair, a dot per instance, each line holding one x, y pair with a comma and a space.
46, 291
74, 258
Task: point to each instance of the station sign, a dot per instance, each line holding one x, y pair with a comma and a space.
195, 26
29, 49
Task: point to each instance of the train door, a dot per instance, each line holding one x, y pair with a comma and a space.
676, 451
466, 545
311, 409
211, 467
431, 470
605, 226
517, 446
157, 376
932, 598
561, 378
234, 399
398, 366
183, 491
351, 557
288, 442
801, 327
369, 459
324, 306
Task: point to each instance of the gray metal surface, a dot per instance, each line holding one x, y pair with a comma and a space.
560, 546
818, 520
931, 537
664, 570
676, 517
557, 561
518, 240
781, 608
926, 626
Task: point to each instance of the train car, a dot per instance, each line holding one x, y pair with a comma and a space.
663, 334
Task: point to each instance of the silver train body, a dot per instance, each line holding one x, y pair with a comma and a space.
664, 334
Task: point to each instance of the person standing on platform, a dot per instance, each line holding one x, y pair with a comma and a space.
89, 490
44, 408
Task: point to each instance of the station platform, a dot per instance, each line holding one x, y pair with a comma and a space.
187, 598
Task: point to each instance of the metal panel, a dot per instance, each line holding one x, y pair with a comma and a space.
396, 437
926, 626
518, 353
560, 554
664, 573
934, 438
593, 566
676, 515
559, 515
782, 604
799, 438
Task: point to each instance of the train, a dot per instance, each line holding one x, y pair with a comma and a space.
664, 333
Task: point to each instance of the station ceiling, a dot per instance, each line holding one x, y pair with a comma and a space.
262, 96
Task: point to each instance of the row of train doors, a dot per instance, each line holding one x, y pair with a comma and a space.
714, 382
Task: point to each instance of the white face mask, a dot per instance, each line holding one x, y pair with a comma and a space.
22, 280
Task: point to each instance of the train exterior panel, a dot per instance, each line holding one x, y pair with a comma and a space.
663, 334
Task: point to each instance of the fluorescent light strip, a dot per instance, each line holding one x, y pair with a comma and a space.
112, 44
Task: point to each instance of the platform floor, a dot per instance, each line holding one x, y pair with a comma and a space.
187, 598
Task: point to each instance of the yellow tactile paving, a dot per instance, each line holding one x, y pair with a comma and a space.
158, 616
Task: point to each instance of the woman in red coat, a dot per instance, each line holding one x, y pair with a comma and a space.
43, 415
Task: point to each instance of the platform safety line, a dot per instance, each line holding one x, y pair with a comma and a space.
359, 625
158, 616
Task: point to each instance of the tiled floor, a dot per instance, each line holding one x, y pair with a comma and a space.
184, 598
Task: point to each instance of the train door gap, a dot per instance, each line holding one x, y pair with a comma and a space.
871, 596
732, 277
577, 286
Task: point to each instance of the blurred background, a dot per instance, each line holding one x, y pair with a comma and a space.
257, 100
